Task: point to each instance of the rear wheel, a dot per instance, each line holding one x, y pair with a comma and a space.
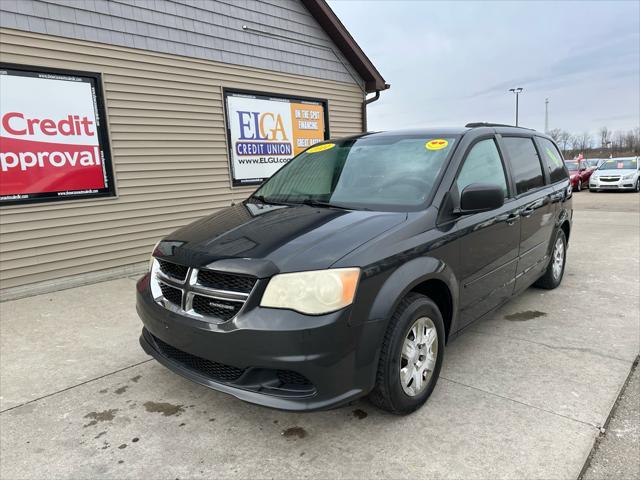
411, 356
555, 270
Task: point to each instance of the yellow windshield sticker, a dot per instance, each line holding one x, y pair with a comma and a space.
321, 148
437, 144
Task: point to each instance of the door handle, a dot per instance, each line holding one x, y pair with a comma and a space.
527, 211
511, 218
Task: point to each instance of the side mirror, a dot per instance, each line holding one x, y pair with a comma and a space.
479, 197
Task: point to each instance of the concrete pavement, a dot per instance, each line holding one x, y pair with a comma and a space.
523, 394
617, 452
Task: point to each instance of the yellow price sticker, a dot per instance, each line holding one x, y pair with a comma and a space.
437, 144
321, 148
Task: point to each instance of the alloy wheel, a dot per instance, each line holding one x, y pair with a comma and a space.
558, 258
418, 357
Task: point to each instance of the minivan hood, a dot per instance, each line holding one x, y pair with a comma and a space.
267, 239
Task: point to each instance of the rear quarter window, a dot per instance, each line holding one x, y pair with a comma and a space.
553, 160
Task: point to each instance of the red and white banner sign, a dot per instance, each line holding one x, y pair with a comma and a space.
52, 145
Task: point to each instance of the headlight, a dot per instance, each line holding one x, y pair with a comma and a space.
629, 176
313, 293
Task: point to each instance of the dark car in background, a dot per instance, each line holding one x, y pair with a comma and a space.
349, 270
579, 172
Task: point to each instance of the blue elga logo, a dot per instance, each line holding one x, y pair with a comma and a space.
262, 133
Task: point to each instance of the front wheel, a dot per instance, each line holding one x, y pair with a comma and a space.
411, 356
638, 185
555, 270
579, 185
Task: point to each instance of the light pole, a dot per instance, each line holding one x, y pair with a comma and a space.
517, 91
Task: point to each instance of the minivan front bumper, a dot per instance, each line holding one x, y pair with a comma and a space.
272, 357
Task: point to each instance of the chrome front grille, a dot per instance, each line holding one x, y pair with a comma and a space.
171, 294
215, 307
224, 281
610, 179
203, 294
173, 270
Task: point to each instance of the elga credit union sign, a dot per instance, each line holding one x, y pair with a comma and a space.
53, 140
266, 131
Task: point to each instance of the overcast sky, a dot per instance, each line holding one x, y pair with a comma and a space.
450, 63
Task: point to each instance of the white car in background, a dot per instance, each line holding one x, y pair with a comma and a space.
616, 174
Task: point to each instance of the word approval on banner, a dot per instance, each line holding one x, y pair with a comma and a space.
53, 140
266, 131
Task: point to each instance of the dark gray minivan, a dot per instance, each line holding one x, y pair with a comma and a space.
348, 271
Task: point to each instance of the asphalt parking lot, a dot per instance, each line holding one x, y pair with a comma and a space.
523, 394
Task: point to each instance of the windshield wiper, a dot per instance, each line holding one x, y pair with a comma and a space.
266, 201
321, 203
307, 201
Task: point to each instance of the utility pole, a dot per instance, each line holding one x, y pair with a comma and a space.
546, 115
517, 91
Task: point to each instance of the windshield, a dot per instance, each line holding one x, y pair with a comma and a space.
572, 166
591, 163
376, 172
613, 164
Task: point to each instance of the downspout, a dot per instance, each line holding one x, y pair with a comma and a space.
366, 102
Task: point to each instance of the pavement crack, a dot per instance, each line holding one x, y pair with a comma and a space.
74, 386
553, 347
522, 403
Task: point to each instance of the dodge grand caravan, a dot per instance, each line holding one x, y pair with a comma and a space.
348, 271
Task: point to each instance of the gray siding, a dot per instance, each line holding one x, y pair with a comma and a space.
170, 155
207, 29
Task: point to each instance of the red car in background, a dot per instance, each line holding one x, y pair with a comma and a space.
579, 173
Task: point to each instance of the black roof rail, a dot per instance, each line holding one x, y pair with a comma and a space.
489, 124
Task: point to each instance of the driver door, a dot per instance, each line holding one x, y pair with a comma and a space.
489, 240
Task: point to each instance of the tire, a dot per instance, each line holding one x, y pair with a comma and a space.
638, 185
552, 277
389, 393
579, 185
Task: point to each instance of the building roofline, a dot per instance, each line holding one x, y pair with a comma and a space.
330, 23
